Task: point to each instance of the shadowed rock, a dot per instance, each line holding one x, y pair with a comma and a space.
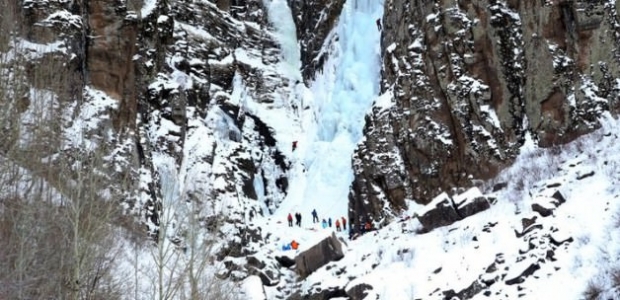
318, 255
285, 261
359, 291
443, 210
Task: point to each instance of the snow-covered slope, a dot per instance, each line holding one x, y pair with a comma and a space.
509, 251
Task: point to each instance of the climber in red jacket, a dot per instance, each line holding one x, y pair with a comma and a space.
290, 220
294, 145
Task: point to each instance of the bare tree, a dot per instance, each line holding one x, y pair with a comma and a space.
183, 256
56, 220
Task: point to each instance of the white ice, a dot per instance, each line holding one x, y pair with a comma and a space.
341, 96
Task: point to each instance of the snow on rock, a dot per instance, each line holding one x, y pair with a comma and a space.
443, 210
507, 251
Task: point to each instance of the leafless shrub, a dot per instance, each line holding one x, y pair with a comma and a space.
593, 291
615, 277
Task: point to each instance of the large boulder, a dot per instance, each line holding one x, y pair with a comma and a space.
440, 212
470, 203
318, 255
285, 261
443, 210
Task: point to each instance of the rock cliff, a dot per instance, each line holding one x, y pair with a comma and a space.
314, 21
468, 80
156, 88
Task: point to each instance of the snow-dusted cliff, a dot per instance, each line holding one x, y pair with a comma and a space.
175, 121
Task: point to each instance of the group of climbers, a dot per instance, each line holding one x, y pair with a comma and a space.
341, 224
297, 219
328, 223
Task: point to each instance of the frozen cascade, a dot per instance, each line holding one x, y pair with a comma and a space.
338, 98
281, 17
343, 93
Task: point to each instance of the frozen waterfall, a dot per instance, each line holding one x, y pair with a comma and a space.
343, 93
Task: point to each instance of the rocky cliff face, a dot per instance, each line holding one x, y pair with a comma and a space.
173, 76
468, 80
314, 21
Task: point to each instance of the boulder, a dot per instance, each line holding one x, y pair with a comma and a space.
359, 292
318, 255
520, 278
267, 277
558, 196
470, 203
440, 212
319, 294
546, 205
285, 261
499, 186
255, 262
585, 175
469, 292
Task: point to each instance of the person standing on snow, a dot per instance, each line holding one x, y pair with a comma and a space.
294, 145
290, 220
315, 216
329, 222
344, 223
298, 219
324, 224
337, 225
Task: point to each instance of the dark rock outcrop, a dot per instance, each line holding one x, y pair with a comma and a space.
322, 294
523, 275
285, 261
359, 292
443, 210
318, 255
467, 293
314, 20
546, 205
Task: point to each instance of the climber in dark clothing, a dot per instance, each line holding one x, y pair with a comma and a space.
298, 219
294, 145
344, 223
329, 222
315, 216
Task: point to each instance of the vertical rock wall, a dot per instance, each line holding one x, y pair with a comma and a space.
314, 19
469, 79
